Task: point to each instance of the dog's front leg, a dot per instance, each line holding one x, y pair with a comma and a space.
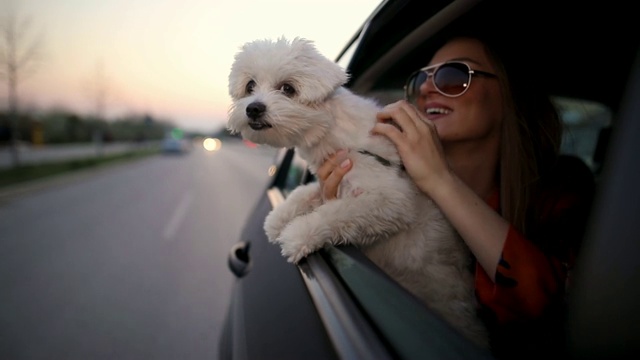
302, 200
353, 220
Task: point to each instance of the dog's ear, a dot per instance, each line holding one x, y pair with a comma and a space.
253, 60
317, 75
238, 77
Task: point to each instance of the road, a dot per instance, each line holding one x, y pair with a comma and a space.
128, 263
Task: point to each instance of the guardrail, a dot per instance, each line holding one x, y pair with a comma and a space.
31, 155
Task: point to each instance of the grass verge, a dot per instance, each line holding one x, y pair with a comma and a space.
24, 173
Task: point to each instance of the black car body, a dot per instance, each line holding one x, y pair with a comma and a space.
337, 304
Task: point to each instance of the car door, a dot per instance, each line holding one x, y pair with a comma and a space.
271, 315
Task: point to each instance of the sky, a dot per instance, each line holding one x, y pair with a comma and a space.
166, 58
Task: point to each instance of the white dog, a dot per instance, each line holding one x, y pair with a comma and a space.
286, 94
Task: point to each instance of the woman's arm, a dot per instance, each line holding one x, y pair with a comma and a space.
418, 144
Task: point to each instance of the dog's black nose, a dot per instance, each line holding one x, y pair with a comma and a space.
255, 110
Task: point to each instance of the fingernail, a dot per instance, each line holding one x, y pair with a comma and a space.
345, 163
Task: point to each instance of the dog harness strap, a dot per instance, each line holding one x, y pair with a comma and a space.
380, 159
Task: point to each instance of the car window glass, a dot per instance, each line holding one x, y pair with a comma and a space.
585, 122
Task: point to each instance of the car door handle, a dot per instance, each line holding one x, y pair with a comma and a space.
239, 259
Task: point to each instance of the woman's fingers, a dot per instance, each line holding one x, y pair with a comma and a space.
405, 117
332, 182
390, 131
396, 115
327, 167
417, 141
331, 172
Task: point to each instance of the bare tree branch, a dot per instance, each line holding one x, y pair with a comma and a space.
19, 55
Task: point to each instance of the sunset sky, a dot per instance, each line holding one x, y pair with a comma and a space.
168, 58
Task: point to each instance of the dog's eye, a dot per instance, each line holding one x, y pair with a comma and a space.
250, 85
288, 90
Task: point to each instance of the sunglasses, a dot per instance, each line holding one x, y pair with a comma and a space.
451, 79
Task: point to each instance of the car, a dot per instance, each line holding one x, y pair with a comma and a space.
172, 145
336, 304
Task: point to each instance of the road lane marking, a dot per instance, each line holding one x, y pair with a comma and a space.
178, 216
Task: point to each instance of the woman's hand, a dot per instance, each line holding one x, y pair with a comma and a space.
331, 173
416, 139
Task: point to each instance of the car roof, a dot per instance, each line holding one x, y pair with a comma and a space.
584, 49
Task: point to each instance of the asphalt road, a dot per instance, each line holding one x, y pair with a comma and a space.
128, 262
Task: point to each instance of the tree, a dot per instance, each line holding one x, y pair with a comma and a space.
19, 56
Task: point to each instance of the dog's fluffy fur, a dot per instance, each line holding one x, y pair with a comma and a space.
286, 94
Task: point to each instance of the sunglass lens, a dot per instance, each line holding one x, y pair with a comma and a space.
413, 86
452, 79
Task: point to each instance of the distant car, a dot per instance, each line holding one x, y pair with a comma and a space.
336, 304
171, 145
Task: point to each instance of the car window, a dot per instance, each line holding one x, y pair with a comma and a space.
587, 125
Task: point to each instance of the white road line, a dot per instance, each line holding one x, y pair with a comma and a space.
178, 216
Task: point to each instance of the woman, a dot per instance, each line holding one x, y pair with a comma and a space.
482, 141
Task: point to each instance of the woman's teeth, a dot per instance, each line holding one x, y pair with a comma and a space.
432, 111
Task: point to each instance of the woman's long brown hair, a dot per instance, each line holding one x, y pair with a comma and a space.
531, 133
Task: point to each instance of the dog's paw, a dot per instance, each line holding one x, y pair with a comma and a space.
304, 235
295, 253
296, 244
274, 225
272, 234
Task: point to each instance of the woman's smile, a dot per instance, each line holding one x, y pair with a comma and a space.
435, 111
